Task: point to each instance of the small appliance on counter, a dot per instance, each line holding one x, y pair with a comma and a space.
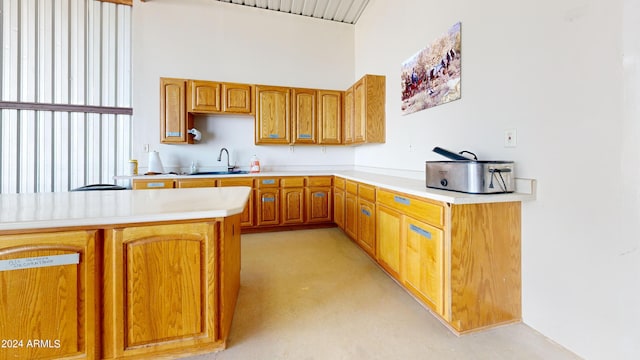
469, 175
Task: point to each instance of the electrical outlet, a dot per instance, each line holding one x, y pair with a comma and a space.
510, 138
145, 148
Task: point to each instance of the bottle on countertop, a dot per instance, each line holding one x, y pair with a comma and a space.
194, 168
255, 165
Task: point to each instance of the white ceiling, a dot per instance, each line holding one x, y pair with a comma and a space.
346, 11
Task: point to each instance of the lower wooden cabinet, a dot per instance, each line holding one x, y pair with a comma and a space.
141, 184
338, 207
49, 311
268, 207
160, 289
367, 226
351, 215
292, 206
319, 201
388, 235
424, 262
195, 183
247, 218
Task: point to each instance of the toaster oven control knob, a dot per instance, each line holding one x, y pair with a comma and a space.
444, 182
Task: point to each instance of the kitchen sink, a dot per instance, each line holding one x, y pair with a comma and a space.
239, 172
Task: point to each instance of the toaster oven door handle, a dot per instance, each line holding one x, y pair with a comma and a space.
503, 170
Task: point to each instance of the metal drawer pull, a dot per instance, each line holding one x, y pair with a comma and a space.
274, 136
318, 194
268, 199
420, 231
155, 185
401, 200
268, 182
366, 212
305, 136
173, 134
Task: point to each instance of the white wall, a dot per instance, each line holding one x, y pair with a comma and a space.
210, 40
555, 71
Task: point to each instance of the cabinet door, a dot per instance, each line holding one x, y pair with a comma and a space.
292, 205
329, 117
367, 226
359, 112
174, 119
319, 204
304, 116
351, 215
273, 118
424, 266
388, 229
236, 98
56, 305
160, 289
203, 96
268, 206
348, 127
338, 207
247, 217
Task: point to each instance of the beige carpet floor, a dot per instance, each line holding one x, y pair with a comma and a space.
314, 294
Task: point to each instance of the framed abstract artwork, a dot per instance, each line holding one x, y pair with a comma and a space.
432, 76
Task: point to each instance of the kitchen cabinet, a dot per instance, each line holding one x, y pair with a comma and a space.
273, 115
348, 126
140, 184
292, 192
237, 98
145, 312
461, 260
368, 123
351, 210
304, 116
319, 199
339, 201
424, 264
203, 96
196, 182
268, 206
366, 226
174, 118
247, 218
56, 305
329, 117
389, 239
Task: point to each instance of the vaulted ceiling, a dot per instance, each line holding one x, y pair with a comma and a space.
346, 11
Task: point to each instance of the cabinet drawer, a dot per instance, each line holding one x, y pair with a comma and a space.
319, 181
292, 182
236, 182
420, 209
339, 182
352, 187
153, 184
268, 182
191, 183
367, 192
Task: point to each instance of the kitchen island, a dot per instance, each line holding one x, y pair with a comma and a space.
118, 274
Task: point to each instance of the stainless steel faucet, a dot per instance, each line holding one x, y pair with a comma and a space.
229, 167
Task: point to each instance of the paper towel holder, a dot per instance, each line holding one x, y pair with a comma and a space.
197, 135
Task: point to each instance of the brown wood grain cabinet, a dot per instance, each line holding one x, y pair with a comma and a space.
273, 115
461, 260
329, 117
351, 210
247, 218
174, 118
268, 201
237, 98
204, 96
292, 192
339, 201
304, 116
141, 184
319, 199
348, 117
58, 305
195, 183
366, 227
368, 122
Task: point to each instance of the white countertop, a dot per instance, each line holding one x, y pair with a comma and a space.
90, 208
525, 188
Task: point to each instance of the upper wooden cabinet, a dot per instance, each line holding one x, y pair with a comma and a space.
203, 96
329, 117
347, 125
304, 116
174, 118
273, 115
236, 98
368, 122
